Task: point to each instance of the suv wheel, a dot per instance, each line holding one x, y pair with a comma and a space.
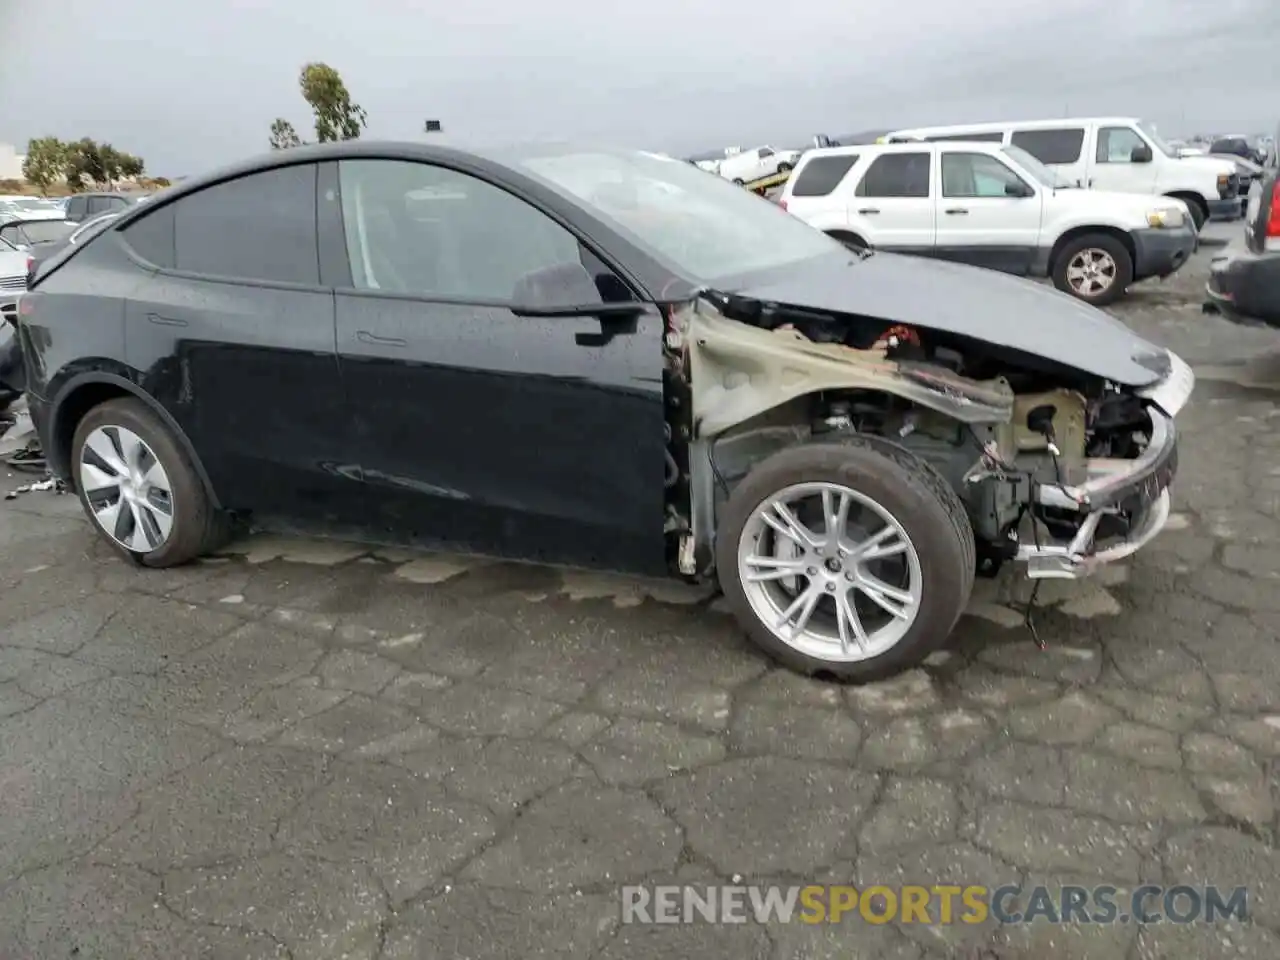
1095, 268
139, 488
853, 559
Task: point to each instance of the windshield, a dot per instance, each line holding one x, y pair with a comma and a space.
1148, 130
32, 203
6, 246
1043, 175
704, 226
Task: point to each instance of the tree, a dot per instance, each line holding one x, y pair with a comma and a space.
131, 166
337, 117
283, 135
45, 163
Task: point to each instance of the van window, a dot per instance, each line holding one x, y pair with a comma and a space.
1051, 146
821, 175
1116, 144
996, 137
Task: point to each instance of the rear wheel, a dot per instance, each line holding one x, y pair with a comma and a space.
139, 488
739, 181
1095, 268
853, 559
785, 167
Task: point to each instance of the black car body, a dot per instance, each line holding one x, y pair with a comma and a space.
601, 358
1244, 280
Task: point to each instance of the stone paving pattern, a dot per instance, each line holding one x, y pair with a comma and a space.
306, 751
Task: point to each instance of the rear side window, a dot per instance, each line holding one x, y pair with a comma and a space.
821, 175
996, 137
1051, 146
896, 175
76, 207
151, 238
259, 227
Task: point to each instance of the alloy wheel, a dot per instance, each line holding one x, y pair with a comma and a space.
1091, 272
830, 572
127, 488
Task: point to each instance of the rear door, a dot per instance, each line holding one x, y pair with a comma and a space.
1062, 149
979, 222
234, 335
892, 206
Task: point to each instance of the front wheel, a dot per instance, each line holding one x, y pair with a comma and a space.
1095, 268
853, 559
138, 486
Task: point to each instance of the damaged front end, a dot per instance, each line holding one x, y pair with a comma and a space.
1058, 469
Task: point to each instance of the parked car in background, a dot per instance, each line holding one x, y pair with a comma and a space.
84, 231
1238, 145
15, 265
21, 204
990, 206
1244, 280
29, 232
1247, 169
840, 435
82, 206
756, 163
1120, 154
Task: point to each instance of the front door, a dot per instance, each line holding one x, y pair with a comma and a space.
531, 438
892, 206
979, 222
1113, 167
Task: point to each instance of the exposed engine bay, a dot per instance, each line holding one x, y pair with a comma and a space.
1018, 436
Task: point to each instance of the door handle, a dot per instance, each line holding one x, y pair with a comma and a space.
868, 210
364, 336
958, 211
165, 321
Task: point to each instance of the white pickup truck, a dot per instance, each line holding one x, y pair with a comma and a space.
991, 206
744, 166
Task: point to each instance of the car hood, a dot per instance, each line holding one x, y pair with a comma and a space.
1212, 164
980, 304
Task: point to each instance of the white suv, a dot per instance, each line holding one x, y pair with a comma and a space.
990, 206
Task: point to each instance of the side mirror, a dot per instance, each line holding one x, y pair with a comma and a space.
1140, 154
567, 290
1017, 190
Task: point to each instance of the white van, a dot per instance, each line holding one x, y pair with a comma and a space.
992, 206
1110, 153
747, 165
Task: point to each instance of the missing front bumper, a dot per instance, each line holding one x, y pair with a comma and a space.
1138, 489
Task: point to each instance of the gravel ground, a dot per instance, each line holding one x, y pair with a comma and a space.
304, 750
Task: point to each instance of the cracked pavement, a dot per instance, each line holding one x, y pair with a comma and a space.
308, 750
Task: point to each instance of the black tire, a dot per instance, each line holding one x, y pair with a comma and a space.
1199, 214
914, 493
739, 181
1097, 241
850, 240
197, 526
785, 167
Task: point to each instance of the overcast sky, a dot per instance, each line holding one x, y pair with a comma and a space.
191, 85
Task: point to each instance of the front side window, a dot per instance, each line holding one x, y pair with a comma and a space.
419, 229
976, 175
896, 175
258, 227
1051, 146
1116, 144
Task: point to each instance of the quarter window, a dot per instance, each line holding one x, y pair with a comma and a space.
821, 175
1051, 146
152, 237
896, 175
976, 175
1116, 144
416, 228
258, 227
